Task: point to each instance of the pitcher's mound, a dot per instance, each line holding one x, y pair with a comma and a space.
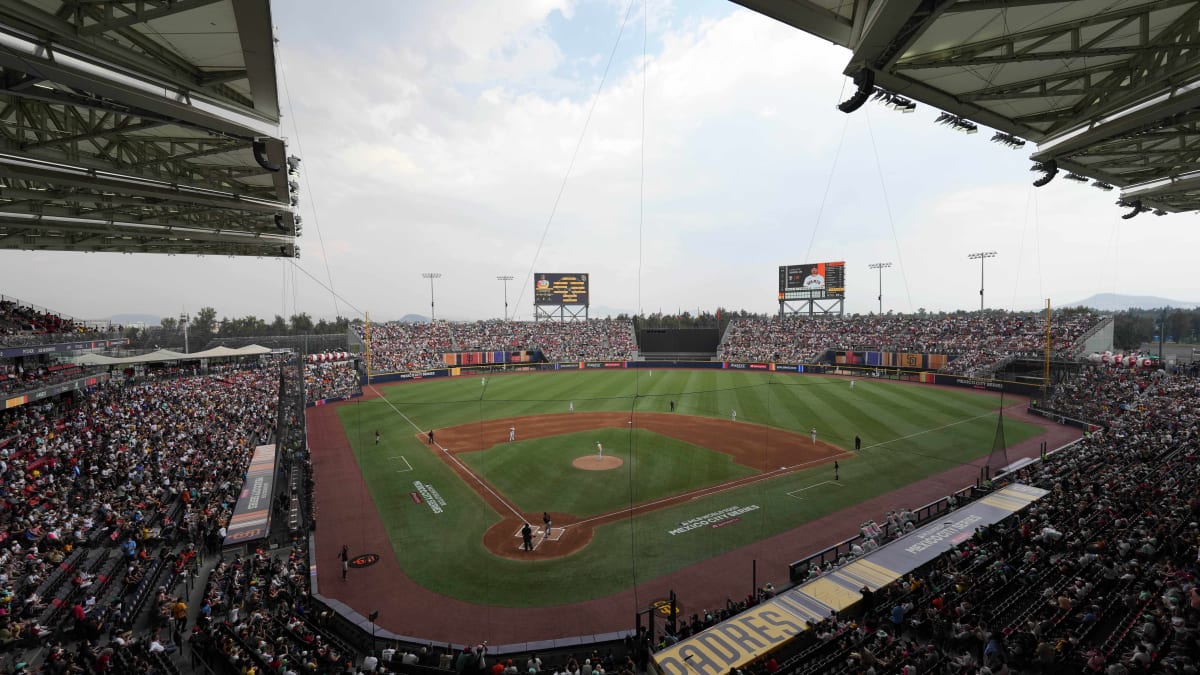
594, 463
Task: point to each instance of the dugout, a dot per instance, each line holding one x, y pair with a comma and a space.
678, 344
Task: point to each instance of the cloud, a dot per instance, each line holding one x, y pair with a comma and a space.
436, 137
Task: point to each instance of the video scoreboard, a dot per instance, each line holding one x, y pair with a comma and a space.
812, 281
560, 289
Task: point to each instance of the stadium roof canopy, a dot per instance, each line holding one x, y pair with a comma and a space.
161, 355
1109, 90
142, 126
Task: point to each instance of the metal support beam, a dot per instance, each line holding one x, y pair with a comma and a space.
136, 12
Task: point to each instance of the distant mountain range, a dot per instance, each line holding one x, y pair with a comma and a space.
414, 318
136, 319
1115, 302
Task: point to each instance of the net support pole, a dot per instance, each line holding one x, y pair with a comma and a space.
754, 578
1046, 369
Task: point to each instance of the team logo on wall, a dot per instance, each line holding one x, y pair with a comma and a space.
364, 560
663, 608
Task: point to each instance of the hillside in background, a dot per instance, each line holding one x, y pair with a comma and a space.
1115, 302
135, 319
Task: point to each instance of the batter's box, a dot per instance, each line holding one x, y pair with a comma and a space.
556, 533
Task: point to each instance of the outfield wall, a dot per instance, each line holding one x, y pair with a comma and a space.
865, 372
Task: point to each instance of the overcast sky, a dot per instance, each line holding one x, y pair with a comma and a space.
435, 137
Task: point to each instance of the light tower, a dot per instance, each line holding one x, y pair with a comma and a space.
431, 276
505, 278
981, 256
881, 266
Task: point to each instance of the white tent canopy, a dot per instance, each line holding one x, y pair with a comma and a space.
168, 355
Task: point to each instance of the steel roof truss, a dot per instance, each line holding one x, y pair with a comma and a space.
111, 15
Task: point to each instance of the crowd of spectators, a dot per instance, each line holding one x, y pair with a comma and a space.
331, 380
1099, 576
976, 341
417, 346
110, 492
18, 321
121, 490
255, 615
399, 346
17, 377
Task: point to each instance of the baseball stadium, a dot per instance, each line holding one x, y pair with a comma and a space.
823, 487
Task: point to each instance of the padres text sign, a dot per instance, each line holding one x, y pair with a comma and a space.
731, 643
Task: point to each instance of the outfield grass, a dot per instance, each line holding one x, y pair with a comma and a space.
909, 432
537, 475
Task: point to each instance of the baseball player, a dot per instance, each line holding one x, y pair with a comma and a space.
599, 450
512, 434
813, 433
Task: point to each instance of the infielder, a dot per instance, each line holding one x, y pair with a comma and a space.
733, 415
512, 434
599, 450
571, 406
813, 433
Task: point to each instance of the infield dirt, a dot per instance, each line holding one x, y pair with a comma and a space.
773, 452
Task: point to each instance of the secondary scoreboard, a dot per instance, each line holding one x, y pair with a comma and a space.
560, 289
812, 281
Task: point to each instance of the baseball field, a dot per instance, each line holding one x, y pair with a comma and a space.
678, 480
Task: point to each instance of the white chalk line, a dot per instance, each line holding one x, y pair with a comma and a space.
542, 534
814, 485
405, 460
922, 433
454, 459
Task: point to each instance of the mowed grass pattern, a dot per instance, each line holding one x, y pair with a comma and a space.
909, 432
538, 475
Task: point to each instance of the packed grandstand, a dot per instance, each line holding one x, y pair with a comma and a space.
118, 497
973, 343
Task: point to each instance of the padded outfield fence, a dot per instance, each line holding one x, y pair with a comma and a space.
863, 372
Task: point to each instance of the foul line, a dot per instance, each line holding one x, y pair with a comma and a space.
922, 433
708, 492
809, 487
452, 458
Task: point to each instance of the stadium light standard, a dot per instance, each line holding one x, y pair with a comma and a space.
981, 256
183, 321
431, 276
881, 266
505, 278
